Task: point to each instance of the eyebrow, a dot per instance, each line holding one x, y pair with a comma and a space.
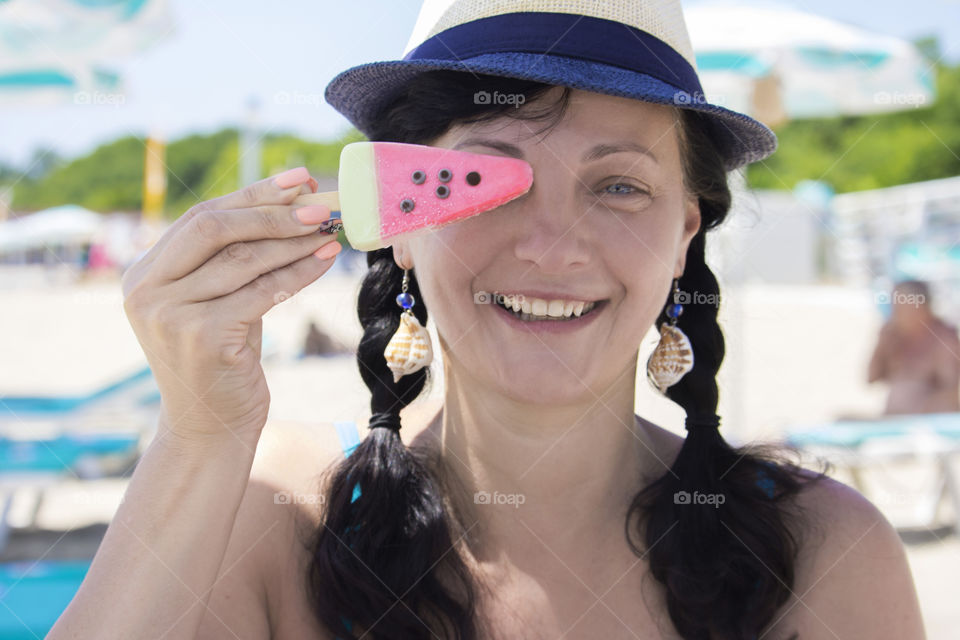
599, 151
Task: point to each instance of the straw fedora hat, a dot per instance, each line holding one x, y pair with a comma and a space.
632, 48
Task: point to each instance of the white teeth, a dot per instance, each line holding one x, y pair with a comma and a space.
533, 308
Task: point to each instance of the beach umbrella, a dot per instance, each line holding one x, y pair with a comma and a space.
41, 85
54, 51
777, 63
65, 224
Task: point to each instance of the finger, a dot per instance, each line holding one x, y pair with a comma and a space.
241, 263
269, 190
255, 336
254, 299
210, 232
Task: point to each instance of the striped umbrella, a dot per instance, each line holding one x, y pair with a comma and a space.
777, 63
54, 51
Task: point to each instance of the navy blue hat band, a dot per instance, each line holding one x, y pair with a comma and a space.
563, 34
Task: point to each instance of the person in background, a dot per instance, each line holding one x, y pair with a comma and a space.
318, 343
917, 354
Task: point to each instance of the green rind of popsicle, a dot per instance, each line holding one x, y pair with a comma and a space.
360, 195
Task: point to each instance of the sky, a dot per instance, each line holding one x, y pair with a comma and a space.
225, 53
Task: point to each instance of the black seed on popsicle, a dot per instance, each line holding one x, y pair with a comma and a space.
473, 178
418, 177
444, 175
406, 205
443, 191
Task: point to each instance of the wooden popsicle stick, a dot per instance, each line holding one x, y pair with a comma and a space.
328, 198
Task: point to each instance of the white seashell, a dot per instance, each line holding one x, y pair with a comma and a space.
409, 349
672, 358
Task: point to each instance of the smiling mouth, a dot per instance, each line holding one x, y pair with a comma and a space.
577, 312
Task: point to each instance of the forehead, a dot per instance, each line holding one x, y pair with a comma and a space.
590, 117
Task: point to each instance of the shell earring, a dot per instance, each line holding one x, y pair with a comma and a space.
673, 356
409, 349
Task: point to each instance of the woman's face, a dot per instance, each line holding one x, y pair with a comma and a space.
604, 222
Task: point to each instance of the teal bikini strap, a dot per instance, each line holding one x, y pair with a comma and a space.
349, 439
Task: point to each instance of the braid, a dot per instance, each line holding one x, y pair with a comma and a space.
711, 526
384, 527
379, 316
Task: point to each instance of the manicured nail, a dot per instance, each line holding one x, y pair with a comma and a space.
292, 177
314, 185
313, 214
327, 251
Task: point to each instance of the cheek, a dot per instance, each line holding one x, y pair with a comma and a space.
447, 261
641, 246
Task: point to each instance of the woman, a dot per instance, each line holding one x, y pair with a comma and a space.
535, 504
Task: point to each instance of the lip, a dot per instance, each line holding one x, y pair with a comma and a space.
550, 326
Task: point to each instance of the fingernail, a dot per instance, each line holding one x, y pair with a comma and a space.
314, 185
327, 251
292, 177
313, 214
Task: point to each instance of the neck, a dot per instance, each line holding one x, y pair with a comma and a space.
521, 469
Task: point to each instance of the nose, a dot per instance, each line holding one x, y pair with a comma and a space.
553, 226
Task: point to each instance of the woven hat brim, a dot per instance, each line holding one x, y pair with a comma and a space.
360, 93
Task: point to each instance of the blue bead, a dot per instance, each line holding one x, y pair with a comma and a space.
405, 300
674, 310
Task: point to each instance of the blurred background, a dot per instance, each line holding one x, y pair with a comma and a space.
839, 264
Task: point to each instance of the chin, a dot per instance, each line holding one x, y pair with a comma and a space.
559, 388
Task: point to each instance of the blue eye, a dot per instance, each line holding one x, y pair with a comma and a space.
623, 189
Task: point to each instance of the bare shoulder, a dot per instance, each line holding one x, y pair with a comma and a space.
287, 474
258, 588
852, 577
852, 574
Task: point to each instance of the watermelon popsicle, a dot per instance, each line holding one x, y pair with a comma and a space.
391, 189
